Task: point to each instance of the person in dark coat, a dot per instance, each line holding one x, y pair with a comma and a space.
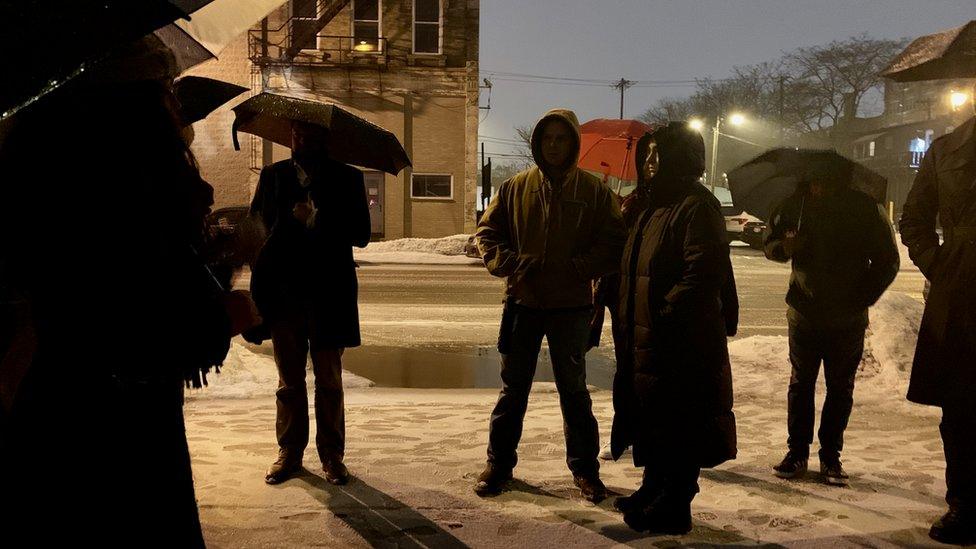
944, 370
675, 319
844, 257
104, 198
550, 231
304, 284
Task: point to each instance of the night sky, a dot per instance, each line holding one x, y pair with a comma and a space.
663, 40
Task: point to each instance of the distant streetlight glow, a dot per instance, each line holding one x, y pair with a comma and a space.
737, 119
958, 99
696, 124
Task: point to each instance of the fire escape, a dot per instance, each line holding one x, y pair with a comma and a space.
299, 40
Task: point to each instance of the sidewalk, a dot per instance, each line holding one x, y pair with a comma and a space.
414, 454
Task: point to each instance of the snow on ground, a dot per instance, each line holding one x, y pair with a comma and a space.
415, 454
448, 250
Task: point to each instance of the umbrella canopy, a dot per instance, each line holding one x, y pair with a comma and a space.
51, 42
352, 139
607, 148
199, 96
760, 185
212, 26
946, 54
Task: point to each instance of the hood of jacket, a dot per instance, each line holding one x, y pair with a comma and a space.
569, 118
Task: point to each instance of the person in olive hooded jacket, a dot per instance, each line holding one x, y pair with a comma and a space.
550, 231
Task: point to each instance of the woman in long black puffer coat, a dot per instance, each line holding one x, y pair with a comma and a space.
678, 306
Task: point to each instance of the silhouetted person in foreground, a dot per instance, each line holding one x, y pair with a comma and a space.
102, 216
844, 257
677, 308
944, 371
549, 231
304, 284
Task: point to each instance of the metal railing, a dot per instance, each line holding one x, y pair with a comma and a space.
325, 49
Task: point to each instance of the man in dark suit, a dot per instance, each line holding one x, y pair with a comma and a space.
304, 284
944, 371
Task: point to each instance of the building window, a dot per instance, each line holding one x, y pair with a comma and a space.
304, 19
426, 26
871, 148
431, 186
889, 142
366, 25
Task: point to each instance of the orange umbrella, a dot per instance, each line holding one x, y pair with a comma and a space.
607, 148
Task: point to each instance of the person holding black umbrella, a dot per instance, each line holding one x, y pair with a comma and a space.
304, 285
836, 277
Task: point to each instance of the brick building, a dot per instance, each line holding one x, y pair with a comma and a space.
410, 66
893, 143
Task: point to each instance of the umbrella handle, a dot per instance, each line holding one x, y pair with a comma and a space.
799, 220
233, 135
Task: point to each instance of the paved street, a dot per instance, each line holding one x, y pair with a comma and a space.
435, 326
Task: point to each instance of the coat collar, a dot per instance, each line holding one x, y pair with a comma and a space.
961, 136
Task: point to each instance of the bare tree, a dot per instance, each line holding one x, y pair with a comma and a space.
840, 72
803, 91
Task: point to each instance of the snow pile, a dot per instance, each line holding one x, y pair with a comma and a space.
449, 245
889, 347
418, 251
246, 374
761, 366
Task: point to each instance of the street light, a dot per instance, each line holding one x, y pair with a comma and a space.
958, 99
696, 124
736, 119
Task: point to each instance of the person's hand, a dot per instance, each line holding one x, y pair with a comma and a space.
242, 311
789, 243
303, 211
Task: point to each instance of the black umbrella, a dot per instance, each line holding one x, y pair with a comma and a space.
49, 42
200, 96
946, 54
760, 185
352, 139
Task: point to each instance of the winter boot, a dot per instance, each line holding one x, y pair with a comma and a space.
664, 516
955, 527
591, 487
492, 480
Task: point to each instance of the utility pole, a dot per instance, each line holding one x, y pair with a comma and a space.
622, 85
782, 107
715, 132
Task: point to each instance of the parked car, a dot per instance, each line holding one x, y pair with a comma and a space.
752, 234
735, 218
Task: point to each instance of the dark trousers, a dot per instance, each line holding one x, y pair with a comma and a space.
291, 349
839, 345
519, 343
958, 429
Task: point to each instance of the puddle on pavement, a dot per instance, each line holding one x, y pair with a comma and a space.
450, 366
454, 367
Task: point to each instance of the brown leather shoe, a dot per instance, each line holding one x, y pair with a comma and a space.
285, 467
591, 487
492, 480
336, 473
